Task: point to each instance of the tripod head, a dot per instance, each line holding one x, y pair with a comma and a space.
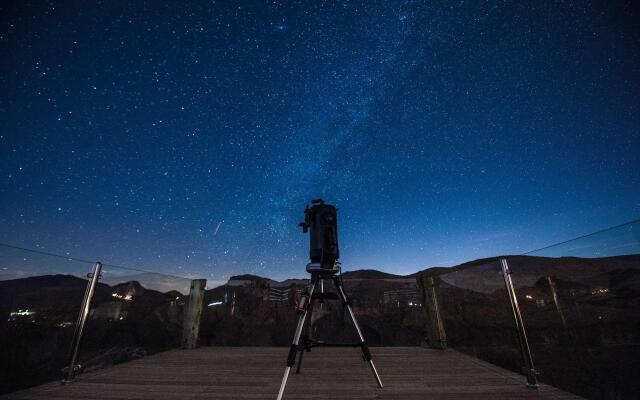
321, 220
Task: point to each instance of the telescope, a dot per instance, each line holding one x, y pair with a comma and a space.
321, 221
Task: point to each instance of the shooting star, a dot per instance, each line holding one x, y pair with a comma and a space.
217, 228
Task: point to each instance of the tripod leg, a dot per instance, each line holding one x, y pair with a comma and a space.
299, 361
291, 359
307, 335
365, 349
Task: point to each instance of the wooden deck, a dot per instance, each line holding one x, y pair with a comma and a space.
328, 373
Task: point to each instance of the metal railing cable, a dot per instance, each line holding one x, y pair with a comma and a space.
71, 258
581, 237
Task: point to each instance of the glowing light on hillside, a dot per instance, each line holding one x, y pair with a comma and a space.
127, 297
21, 313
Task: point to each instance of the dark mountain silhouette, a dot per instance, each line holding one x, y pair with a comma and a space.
149, 280
370, 274
357, 274
248, 277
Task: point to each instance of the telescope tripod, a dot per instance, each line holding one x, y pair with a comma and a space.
302, 344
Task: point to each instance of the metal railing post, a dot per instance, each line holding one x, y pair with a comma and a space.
81, 322
442, 337
554, 294
528, 369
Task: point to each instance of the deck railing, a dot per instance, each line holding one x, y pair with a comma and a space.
251, 313
567, 314
63, 315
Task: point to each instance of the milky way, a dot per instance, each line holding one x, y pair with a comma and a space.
186, 138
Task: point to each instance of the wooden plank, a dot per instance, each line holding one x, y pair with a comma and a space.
338, 373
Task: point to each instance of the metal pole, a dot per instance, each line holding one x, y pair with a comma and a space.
442, 337
529, 369
321, 291
81, 322
554, 293
307, 331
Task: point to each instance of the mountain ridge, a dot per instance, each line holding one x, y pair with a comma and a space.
370, 273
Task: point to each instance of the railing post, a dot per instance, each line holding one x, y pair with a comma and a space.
74, 367
554, 294
442, 337
528, 369
192, 314
435, 329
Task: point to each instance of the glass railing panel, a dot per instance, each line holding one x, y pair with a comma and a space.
40, 298
477, 315
246, 312
580, 304
134, 313
388, 310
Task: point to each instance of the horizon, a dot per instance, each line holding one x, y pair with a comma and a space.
615, 241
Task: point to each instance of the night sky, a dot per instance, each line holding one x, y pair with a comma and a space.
186, 138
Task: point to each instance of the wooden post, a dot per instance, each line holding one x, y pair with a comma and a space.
192, 314
435, 330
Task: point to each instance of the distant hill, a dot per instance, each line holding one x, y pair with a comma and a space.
528, 268
463, 266
484, 274
349, 275
527, 265
248, 277
370, 274
149, 280
63, 281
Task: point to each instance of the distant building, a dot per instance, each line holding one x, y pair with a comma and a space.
279, 295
